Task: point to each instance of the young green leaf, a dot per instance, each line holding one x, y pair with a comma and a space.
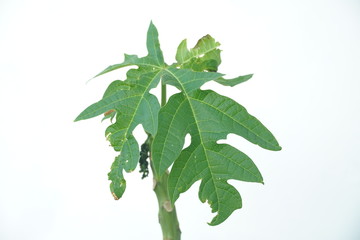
204, 56
205, 45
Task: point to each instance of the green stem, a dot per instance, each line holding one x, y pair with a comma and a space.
167, 212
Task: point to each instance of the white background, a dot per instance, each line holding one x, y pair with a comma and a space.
53, 172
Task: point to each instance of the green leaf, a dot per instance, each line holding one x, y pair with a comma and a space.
131, 98
118, 92
234, 81
154, 59
134, 107
115, 86
153, 45
207, 117
131, 104
127, 160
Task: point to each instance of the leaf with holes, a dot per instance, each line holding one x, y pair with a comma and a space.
208, 117
133, 105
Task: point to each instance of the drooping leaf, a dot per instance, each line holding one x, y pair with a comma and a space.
127, 160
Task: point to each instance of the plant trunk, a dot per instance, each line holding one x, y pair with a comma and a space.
167, 213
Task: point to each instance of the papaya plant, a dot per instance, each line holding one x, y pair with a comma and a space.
204, 114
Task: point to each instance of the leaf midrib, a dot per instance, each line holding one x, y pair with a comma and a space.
200, 136
113, 102
167, 134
